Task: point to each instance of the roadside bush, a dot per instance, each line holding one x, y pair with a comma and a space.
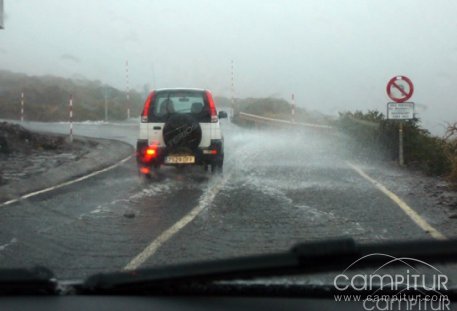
426, 152
379, 137
371, 136
451, 151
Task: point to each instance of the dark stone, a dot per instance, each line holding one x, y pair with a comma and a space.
4, 145
129, 214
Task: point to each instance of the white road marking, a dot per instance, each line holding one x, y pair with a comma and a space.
4, 246
152, 248
415, 217
67, 183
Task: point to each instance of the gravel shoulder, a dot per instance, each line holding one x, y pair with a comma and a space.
31, 161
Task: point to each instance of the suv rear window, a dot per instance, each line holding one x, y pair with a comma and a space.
167, 103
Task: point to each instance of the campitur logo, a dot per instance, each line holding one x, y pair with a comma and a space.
427, 288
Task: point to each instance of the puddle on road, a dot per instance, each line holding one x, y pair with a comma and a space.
168, 180
119, 206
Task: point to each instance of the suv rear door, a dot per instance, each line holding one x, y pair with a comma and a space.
164, 103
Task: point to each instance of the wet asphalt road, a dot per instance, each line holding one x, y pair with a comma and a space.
279, 187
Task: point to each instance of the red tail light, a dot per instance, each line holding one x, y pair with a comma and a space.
147, 106
212, 106
145, 170
149, 153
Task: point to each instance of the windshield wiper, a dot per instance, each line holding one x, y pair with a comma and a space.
306, 258
37, 280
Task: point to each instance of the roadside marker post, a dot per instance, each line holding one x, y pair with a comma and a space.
71, 118
232, 89
22, 106
401, 159
400, 89
2, 26
106, 109
127, 89
106, 103
293, 107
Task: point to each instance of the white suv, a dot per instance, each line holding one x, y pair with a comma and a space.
180, 127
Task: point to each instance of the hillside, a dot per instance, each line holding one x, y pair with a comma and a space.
46, 98
279, 109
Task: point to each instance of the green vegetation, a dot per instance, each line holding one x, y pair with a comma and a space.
434, 155
46, 98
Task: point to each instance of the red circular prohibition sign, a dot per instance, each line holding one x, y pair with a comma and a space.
394, 84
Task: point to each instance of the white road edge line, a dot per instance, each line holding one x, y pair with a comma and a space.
152, 248
67, 183
415, 217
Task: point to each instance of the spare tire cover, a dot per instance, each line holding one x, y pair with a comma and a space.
182, 131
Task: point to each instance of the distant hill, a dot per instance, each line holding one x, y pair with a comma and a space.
277, 108
46, 98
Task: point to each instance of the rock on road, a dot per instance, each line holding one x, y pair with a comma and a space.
279, 187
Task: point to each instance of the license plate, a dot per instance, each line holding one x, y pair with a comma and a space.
179, 159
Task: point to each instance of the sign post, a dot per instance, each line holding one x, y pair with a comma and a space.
401, 159
400, 89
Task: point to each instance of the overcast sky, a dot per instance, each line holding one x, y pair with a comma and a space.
334, 55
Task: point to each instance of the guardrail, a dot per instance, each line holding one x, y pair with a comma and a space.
266, 120
364, 122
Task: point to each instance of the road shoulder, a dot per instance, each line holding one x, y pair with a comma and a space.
104, 154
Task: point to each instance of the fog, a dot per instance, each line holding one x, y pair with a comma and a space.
334, 55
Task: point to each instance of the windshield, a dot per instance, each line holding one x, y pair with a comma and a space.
181, 102
215, 129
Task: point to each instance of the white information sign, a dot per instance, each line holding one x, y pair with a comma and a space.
400, 111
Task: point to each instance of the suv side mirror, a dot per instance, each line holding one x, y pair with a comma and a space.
222, 115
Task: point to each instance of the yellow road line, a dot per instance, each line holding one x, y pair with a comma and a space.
421, 222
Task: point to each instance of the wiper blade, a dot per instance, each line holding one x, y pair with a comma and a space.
37, 280
305, 258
